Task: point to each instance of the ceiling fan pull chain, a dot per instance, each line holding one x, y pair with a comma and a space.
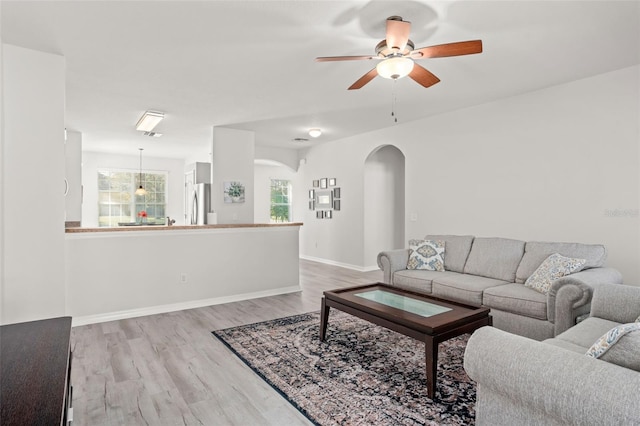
394, 101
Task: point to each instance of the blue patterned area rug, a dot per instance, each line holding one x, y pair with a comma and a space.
361, 375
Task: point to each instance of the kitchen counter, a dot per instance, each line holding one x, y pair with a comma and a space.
179, 227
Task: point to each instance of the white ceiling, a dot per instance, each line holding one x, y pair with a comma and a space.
250, 64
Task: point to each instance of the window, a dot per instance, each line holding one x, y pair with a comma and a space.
280, 200
117, 202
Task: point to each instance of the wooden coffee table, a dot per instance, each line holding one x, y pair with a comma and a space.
426, 318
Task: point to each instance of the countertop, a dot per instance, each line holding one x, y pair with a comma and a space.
179, 227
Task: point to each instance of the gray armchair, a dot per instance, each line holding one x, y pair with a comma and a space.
525, 382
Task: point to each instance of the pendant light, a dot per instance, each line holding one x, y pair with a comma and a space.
140, 190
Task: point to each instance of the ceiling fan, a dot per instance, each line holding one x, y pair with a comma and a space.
397, 55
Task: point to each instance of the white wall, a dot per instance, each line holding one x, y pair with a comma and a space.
73, 176
33, 185
114, 275
233, 153
560, 164
338, 240
1, 177
93, 161
262, 191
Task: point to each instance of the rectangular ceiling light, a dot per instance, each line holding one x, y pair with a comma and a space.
149, 120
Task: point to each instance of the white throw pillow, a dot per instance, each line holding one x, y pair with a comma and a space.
426, 254
554, 267
620, 346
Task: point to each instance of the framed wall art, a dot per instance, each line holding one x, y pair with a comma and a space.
233, 192
324, 199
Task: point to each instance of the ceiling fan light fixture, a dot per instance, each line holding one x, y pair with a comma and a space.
314, 133
395, 67
149, 120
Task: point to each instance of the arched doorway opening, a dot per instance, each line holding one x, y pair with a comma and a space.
384, 202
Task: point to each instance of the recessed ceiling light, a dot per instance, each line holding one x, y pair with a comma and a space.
314, 133
149, 120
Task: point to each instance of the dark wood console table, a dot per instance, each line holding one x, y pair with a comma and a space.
35, 368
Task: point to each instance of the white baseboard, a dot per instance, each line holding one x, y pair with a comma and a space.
161, 309
340, 264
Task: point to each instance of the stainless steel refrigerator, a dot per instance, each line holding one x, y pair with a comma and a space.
200, 204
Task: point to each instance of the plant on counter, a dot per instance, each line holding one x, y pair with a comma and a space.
142, 216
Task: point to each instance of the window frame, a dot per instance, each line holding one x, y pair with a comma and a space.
273, 204
133, 204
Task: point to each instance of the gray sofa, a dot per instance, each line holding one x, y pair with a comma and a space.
491, 272
524, 382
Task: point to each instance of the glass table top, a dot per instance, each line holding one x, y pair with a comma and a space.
418, 307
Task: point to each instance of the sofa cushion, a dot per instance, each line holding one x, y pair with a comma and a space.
620, 345
463, 287
535, 252
495, 258
517, 299
565, 345
554, 267
418, 280
456, 248
587, 331
426, 254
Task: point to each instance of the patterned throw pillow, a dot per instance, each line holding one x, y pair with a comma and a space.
620, 345
554, 267
426, 254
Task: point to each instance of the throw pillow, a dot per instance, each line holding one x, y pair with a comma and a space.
426, 254
554, 267
620, 346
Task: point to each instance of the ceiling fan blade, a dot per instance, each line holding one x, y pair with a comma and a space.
397, 33
422, 76
343, 58
364, 79
449, 49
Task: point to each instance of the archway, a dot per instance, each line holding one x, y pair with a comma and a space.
384, 201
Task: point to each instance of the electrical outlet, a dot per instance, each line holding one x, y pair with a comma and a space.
184, 278
413, 217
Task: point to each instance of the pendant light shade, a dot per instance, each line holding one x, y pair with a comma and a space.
140, 190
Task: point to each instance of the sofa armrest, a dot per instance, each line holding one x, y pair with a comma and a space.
391, 261
533, 381
619, 303
571, 296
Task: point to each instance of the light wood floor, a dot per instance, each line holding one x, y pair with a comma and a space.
168, 369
